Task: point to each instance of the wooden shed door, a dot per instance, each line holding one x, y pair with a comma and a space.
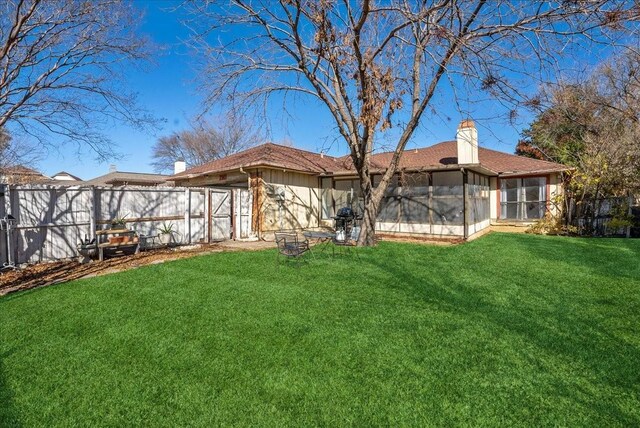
220, 215
242, 206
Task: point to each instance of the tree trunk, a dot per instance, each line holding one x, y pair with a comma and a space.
368, 225
371, 201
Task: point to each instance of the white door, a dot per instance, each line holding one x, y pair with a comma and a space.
242, 203
220, 215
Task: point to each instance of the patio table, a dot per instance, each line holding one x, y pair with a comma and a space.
322, 239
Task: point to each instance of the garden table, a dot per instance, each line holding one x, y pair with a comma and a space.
322, 239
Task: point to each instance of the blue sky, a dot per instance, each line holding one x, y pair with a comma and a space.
168, 90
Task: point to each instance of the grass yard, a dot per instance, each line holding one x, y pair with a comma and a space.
505, 330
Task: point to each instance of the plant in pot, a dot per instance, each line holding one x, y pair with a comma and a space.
166, 233
87, 248
119, 222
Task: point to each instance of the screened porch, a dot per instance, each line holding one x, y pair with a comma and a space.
427, 203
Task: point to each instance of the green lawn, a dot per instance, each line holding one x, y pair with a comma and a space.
505, 330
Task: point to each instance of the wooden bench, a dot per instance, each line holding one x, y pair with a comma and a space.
118, 248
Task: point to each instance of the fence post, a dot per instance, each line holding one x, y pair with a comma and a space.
207, 213
187, 215
465, 204
4, 250
630, 212
92, 212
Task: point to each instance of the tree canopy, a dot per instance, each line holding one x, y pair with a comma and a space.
377, 66
204, 142
61, 69
593, 125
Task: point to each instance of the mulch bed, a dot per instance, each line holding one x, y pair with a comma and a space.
43, 274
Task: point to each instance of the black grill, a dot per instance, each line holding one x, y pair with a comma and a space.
345, 212
345, 220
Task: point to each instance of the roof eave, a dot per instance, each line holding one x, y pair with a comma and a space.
429, 168
532, 173
246, 166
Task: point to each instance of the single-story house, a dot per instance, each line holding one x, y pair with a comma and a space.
62, 178
449, 189
20, 174
123, 178
66, 177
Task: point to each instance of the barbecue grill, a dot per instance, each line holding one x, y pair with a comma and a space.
344, 222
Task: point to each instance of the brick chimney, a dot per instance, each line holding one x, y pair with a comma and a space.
179, 166
467, 142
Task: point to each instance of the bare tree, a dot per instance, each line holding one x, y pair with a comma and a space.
204, 142
16, 153
377, 65
61, 67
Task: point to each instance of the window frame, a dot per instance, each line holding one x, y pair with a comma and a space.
331, 202
522, 201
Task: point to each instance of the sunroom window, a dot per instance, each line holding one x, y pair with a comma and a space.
523, 198
326, 198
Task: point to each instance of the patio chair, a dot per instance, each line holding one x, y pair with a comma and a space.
348, 243
290, 246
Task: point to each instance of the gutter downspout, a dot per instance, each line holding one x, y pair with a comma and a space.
242, 171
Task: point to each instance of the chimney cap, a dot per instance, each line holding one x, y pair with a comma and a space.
466, 123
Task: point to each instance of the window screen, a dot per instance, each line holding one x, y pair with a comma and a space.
447, 183
389, 210
478, 197
326, 198
347, 194
448, 198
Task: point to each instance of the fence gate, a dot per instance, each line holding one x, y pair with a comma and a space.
243, 202
220, 215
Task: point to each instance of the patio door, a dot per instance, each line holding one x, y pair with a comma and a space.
523, 198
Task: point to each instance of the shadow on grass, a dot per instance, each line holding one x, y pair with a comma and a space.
536, 316
8, 413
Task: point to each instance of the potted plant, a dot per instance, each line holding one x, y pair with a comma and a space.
87, 248
119, 222
166, 233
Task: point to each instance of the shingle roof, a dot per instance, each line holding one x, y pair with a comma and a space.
269, 154
20, 170
445, 154
439, 156
121, 176
66, 173
20, 174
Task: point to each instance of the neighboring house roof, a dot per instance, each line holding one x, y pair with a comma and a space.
119, 177
63, 175
20, 170
20, 174
269, 154
439, 156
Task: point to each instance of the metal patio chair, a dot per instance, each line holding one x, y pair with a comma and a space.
290, 246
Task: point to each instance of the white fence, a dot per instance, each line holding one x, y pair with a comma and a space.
50, 221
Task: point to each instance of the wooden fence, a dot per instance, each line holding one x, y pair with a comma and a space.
50, 221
